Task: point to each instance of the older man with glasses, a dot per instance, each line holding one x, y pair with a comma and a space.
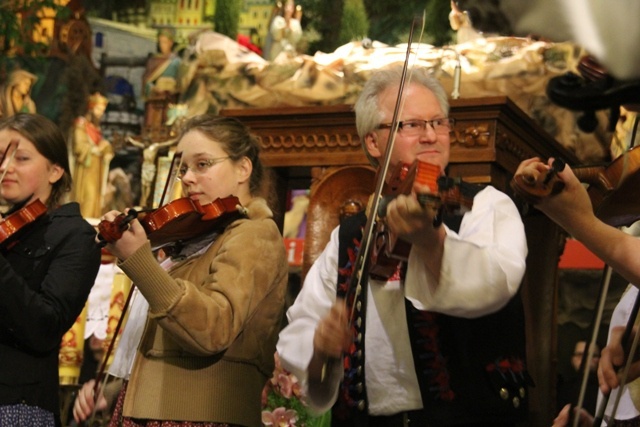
439, 341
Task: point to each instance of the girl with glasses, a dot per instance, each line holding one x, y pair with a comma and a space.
198, 346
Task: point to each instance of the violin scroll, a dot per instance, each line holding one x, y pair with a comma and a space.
110, 231
533, 187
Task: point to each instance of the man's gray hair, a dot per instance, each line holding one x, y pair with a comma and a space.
367, 109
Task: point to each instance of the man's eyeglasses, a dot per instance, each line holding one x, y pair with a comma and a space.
417, 127
200, 167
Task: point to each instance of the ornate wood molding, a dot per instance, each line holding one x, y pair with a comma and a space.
490, 134
472, 135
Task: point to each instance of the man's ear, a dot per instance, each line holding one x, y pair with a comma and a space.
371, 143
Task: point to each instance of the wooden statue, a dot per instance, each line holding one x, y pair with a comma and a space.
15, 94
91, 157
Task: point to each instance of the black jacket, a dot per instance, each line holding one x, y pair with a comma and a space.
45, 279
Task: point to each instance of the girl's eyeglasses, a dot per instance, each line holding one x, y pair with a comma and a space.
200, 167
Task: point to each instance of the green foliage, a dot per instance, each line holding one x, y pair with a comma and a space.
18, 21
437, 27
355, 25
227, 17
388, 22
321, 17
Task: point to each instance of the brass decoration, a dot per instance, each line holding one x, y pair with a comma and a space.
516, 402
504, 393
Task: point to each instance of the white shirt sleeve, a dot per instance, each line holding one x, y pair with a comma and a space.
483, 264
295, 343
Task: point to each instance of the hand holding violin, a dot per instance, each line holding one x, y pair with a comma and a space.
413, 220
571, 207
131, 240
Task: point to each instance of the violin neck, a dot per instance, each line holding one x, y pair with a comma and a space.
593, 175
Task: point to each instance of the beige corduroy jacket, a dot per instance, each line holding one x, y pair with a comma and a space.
208, 345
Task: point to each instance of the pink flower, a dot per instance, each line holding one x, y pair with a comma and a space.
286, 384
280, 417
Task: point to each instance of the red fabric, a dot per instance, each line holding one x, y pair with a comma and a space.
94, 133
246, 42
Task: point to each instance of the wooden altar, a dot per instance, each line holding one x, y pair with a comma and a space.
491, 137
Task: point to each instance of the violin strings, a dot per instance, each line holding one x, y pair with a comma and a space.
11, 150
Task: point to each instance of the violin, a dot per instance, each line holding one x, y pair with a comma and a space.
533, 189
110, 231
179, 220
612, 188
451, 197
17, 222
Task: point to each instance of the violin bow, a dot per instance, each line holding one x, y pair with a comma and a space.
630, 349
586, 359
171, 176
365, 246
355, 282
8, 155
101, 378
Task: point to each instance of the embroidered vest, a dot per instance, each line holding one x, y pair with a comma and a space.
469, 370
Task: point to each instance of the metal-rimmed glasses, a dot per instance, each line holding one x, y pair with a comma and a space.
200, 167
417, 127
